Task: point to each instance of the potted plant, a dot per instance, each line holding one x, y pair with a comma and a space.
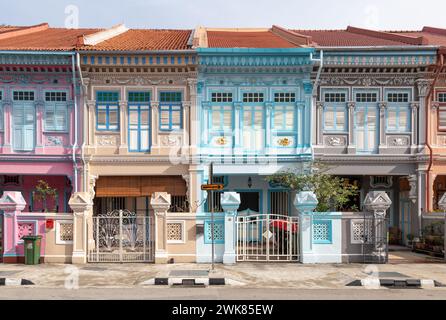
43, 193
410, 238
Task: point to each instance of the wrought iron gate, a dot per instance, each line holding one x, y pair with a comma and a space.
267, 238
122, 236
375, 248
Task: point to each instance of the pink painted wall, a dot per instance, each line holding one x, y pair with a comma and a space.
27, 185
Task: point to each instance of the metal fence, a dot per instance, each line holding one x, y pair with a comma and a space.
365, 238
267, 238
122, 236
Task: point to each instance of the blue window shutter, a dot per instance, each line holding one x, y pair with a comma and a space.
17, 138
60, 117
28, 141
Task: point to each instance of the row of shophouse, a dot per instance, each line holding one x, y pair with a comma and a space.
111, 117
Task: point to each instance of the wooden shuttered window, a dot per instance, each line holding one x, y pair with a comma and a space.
139, 186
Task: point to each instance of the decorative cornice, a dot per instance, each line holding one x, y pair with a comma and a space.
34, 59
406, 60
255, 60
367, 80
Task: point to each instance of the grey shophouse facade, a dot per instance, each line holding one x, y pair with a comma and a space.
369, 123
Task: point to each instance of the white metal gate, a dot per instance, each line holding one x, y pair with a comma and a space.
122, 236
267, 238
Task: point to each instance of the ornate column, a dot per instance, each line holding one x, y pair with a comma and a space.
123, 124
193, 112
81, 204
306, 125
230, 202
186, 124
433, 121
414, 124
7, 121
320, 123
160, 203
351, 127
423, 89
237, 129
91, 105
314, 119
382, 124
154, 107
379, 202
269, 107
40, 111
305, 203
11, 203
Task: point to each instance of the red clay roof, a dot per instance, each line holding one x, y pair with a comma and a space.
246, 39
4, 29
140, 39
434, 36
345, 38
51, 39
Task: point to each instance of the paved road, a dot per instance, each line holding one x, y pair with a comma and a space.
165, 293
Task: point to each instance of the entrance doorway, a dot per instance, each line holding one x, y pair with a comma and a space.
250, 200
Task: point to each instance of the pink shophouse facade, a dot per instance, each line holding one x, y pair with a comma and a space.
40, 139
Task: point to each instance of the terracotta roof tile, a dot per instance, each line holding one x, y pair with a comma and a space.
246, 39
434, 36
139, 39
344, 38
52, 39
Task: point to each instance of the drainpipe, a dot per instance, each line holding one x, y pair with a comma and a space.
428, 98
84, 134
315, 87
74, 147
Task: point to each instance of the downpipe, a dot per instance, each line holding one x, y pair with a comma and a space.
84, 134
427, 109
74, 146
314, 94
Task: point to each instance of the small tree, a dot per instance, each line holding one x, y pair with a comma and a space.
332, 192
44, 192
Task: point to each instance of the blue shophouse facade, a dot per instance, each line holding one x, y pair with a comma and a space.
255, 115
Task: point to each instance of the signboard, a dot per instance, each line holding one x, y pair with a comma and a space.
212, 187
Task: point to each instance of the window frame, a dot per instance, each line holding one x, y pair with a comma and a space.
398, 107
137, 106
107, 105
365, 107
441, 108
54, 104
335, 107
170, 107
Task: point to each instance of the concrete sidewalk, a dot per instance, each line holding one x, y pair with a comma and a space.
246, 275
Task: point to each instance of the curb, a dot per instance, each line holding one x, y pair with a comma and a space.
15, 282
396, 284
190, 282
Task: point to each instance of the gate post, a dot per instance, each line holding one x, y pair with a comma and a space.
305, 203
230, 202
81, 204
442, 206
379, 202
12, 203
160, 203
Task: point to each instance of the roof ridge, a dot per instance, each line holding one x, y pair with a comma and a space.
389, 36
434, 30
24, 31
290, 36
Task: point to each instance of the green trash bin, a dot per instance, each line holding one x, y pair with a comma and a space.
32, 249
